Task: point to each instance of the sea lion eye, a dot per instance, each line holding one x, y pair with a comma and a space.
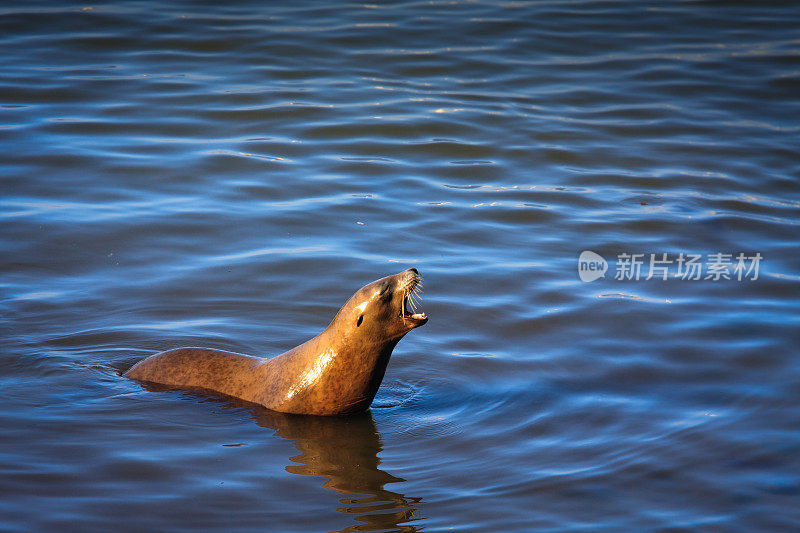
360, 320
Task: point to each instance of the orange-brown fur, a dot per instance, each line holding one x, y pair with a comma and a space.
337, 372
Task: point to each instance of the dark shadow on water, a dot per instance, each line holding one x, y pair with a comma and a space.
345, 451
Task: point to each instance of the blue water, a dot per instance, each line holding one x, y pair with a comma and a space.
179, 173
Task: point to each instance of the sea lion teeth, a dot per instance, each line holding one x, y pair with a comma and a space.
337, 372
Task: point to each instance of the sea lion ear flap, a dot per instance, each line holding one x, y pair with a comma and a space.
360, 320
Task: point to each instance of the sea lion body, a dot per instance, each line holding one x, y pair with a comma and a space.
337, 372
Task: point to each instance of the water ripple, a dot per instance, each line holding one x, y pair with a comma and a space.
228, 175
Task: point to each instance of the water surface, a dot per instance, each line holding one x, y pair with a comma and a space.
180, 173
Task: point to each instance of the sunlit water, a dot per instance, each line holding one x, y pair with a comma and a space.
184, 174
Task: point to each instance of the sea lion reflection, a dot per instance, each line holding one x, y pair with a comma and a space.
345, 452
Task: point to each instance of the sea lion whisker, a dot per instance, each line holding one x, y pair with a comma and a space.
416, 298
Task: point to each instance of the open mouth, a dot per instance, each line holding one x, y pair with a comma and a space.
411, 298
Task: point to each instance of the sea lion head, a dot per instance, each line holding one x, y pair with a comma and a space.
384, 310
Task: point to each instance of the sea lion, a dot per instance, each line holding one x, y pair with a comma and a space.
335, 373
